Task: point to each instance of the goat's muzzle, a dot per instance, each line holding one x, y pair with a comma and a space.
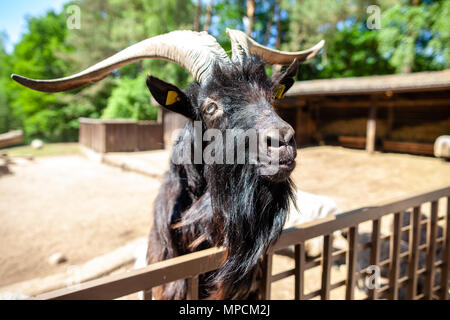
281, 150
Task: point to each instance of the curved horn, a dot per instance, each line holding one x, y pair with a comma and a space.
243, 46
194, 51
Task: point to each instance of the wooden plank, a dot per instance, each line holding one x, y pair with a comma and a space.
326, 266
352, 263
283, 275
431, 253
352, 142
11, 138
375, 252
446, 256
267, 276
299, 271
115, 286
395, 256
192, 288
148, 294
414, 254
408, 147
359, 103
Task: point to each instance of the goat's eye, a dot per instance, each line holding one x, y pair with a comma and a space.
211, 108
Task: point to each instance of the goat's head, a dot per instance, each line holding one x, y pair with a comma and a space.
227, 94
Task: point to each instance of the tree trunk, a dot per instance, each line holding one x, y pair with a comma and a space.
197, 15
269, 26
278, 10
208, 16
250, 15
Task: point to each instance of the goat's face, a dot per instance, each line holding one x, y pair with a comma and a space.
238, 103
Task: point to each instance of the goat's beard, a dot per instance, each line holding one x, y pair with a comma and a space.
249, 212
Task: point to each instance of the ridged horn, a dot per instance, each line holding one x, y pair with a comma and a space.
242, 47
194, 51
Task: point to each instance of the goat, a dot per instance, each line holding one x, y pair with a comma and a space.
241, 206
311, 207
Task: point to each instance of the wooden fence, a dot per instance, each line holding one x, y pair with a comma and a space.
427, 281
120, 135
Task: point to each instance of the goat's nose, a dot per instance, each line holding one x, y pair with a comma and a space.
288, 136
284, 136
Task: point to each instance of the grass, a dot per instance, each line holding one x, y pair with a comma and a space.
48, 150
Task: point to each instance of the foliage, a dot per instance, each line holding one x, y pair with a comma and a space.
7, 119
130, 99
412, 37
416, 37
352, 52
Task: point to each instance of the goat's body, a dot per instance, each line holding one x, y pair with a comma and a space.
184, 222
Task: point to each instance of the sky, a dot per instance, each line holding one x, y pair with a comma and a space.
12, 15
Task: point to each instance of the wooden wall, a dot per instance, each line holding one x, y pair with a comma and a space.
120, 135
404, 118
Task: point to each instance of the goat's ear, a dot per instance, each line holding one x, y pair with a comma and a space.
284, 81
170, 97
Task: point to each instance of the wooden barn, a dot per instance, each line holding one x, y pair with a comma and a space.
394, 113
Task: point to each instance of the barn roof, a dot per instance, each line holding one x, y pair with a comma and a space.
419, 81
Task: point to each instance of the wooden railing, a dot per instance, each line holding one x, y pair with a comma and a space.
192, 265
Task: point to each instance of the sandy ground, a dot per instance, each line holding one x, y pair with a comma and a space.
70, 205
83, 209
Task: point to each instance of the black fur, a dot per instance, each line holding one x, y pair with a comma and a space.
231, 205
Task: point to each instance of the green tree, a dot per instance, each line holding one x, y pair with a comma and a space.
130, 100
7, 119
415, 37
352, 52
36, 56
117, 25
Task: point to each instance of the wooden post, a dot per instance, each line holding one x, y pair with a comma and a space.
390, 122
267, 276
414, 238
299, 271
326, 266
446, 256
371, 127
352, 262
375, 252
192, 288
431, 252
395, 256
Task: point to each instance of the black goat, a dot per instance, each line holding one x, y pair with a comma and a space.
239, 205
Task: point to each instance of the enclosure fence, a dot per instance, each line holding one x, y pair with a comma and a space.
417, 263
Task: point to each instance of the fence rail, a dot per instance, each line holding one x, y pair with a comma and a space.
192, 265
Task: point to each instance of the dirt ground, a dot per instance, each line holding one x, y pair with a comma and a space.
83, 209
69, 205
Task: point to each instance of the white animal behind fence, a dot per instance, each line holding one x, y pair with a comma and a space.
311, 207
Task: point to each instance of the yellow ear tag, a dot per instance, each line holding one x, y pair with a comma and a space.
172, 97
278, 92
